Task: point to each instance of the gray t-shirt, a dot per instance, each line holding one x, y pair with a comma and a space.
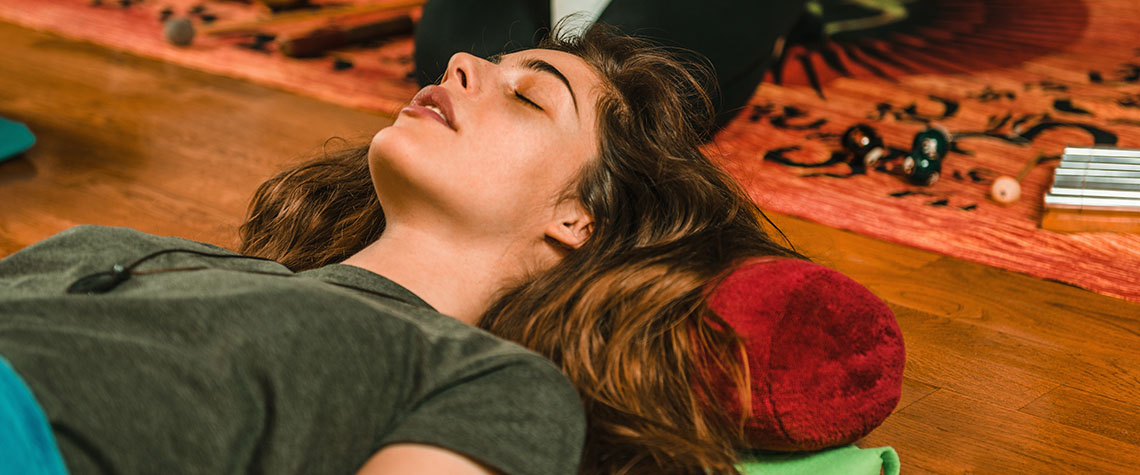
223, 371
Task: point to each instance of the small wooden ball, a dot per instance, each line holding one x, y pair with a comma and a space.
1005, 190
178, 31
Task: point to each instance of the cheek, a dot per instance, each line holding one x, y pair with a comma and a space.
505, 171
538, 160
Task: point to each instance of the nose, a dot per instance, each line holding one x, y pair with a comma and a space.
466, 71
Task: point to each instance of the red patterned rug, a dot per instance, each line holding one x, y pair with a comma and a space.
1014, 81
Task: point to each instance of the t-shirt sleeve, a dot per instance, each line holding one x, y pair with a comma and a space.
520, 417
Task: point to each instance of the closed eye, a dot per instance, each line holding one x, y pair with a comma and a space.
528, 101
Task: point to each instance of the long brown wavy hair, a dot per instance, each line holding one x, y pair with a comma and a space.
624, 315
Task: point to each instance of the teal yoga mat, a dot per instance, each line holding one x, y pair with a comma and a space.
847, 460
15, 138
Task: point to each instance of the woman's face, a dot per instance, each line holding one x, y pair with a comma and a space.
489, 151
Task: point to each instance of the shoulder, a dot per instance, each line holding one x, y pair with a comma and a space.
519, 379
513, 411
457, 352
543, 381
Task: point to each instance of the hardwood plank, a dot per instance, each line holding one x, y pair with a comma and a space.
95, 197
1049, 313
1092, 412
947, 432
127, 141
1025, 364
913, 391
965, 370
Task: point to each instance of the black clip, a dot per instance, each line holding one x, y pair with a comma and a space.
100, 282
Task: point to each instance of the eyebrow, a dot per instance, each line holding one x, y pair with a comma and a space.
545, 67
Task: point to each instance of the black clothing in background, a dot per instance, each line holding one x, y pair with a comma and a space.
737, 37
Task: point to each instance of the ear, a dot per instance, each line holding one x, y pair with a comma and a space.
571, 224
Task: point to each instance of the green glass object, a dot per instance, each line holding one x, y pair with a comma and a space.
15, 138
923, 166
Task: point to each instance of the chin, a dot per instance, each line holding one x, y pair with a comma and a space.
406, 137
391, 143
401, 158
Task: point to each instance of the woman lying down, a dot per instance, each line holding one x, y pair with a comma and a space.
528, 300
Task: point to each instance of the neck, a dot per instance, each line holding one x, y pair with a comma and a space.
458, 278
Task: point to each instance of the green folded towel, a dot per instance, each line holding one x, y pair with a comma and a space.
15, 138
848, 460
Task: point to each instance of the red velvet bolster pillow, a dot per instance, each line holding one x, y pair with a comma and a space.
825, 354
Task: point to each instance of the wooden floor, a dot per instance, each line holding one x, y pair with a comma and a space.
1005, 373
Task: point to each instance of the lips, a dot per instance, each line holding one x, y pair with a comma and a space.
434, 102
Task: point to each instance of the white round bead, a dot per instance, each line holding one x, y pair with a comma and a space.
1005, 190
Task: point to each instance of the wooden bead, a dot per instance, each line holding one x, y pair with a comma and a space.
178, 31
1005, 190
